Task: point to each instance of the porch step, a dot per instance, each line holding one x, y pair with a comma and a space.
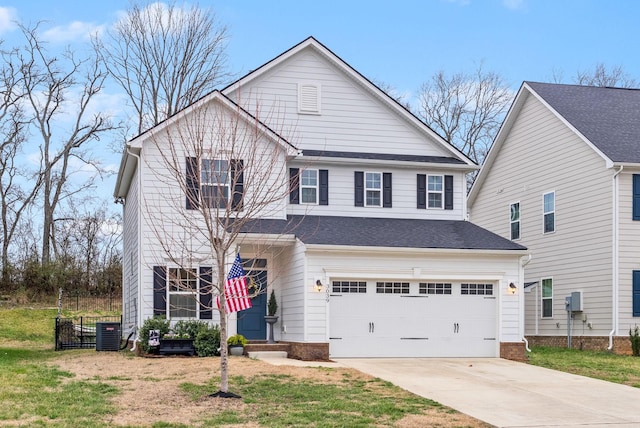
267, 354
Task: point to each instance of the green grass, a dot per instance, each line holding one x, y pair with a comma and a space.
280, 400
32, 327
600, 365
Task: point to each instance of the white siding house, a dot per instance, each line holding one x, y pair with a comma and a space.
559, 180
368, 250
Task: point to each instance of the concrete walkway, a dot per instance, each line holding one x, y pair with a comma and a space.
510, 394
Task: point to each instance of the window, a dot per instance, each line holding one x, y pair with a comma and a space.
373, 189
183, 289
476, 289
547, 298
309, 186
549, 212
349, 287
214, 181
392, 287
515, 221
435, 191
434, 288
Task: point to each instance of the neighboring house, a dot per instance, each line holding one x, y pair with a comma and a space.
563, 179
369, 254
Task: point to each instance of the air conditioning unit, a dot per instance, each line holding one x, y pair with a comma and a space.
108, 336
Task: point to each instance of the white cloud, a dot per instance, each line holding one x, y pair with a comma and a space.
8, 16
514, 4
76, 30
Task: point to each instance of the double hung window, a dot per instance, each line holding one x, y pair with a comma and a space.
183, 292
214, 182
515, 221
547, 298
309, 186
373, 189
435, 191
549, 212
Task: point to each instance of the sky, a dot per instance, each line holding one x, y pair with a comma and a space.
400, 43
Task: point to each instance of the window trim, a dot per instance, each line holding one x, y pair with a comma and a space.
512, 221
543, 298
306, 186
195, 293
440, 192
545, 213
372, 189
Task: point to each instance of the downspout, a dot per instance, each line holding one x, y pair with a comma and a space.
614, 315
139, 241
524, 263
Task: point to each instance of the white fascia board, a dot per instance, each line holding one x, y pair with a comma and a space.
273, 239
405, 250
433, 275
128, 165
304, 160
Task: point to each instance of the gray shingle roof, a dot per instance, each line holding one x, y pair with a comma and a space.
608, 117
382, 156
385, 232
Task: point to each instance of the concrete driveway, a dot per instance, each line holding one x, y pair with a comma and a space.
510, 394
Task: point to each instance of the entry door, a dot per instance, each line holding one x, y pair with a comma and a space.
251, 323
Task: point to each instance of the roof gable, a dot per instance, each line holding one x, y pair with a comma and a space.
312, 45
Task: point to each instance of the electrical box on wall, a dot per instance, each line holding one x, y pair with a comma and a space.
574, 301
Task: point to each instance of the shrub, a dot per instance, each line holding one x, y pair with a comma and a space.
207, 342
189, 328
237, 339
272, 307
152, 324
634, 337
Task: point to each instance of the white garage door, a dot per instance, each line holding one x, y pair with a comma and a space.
406, 319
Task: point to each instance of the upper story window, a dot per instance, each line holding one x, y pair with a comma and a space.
309, 186
547, 298
435, 191
309, 98
515, 221
549, 212
214, 182
373, 189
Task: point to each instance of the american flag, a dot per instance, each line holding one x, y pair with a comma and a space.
235, 289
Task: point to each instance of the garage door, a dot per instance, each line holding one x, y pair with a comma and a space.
406, 319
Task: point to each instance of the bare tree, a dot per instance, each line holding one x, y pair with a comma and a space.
217, 170
59, 93
466, 109
165, 58
603, 76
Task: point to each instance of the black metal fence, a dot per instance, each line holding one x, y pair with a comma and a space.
79, 301
79, 332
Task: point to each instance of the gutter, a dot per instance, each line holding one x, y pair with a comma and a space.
615, 257
523, 263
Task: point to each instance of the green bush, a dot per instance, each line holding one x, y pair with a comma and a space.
189, 329
634, 337
237, 339
152, 324
207, 343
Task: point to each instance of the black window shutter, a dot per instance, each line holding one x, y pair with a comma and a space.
359, 188
636, 293
206, 296
386, 190
160, 291
294, 185
636, 196
422, 191
448, 192
324, 187
237, 181
192, 184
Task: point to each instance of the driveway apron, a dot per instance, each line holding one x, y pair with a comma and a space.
509, 394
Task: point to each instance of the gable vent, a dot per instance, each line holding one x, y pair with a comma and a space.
309, 98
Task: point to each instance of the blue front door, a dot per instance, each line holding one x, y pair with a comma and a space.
251, 323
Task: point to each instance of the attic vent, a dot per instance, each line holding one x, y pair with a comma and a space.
309, 98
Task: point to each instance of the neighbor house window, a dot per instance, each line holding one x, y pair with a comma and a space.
214, 182
515, 221
549, 212
183, 292
435, 191
373, 189
547, 298
309, 186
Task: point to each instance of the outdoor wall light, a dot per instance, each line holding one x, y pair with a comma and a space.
318, 285
512, 288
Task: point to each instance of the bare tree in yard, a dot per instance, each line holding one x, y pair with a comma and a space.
466, 109
219, 169
59, 94
165, 58
601, 76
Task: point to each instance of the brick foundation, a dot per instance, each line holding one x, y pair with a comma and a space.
308, 351
621, 344
515, 351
